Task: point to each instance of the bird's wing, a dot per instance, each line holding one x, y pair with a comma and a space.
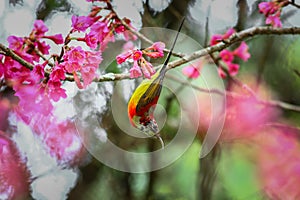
150, 96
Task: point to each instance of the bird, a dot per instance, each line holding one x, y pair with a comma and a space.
143, 101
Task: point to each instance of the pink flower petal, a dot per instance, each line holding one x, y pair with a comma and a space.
233, 68
135, 71
226, 55
123, 57
137, 54
242, 51
191, 72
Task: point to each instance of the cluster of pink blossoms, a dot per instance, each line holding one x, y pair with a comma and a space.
140, 64
228, 56
99, 30
38, 88
32, 85
272, 11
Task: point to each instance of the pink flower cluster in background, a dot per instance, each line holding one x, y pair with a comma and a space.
140, 64
279, 163
272, 11
99, 30
227, 56
14, 175
61, 140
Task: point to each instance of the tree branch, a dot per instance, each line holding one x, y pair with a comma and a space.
8, 52
273, 103
292, 3
236, 37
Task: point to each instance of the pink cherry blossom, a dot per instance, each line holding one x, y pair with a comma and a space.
233, 68
158, 46
91, 40
43, 47
272, 11
120, 29
154, 54
191, 72
93, 58
123, 57
129, 35
40, 28
38, 71
100, 29
137, 54
156, 50
267, 8
226, 55
82, 64
58, 73
14, 70
57, 38
242, 51
228, 33
75, 54
147, 68
37, 94
72, 67
88, 72
81, 23
215, 39
55, 90
135, 71
274, 20
15, 43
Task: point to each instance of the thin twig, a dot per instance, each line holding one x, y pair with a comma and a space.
292, 3
8, 52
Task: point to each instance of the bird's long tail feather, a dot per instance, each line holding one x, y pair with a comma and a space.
163, 70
